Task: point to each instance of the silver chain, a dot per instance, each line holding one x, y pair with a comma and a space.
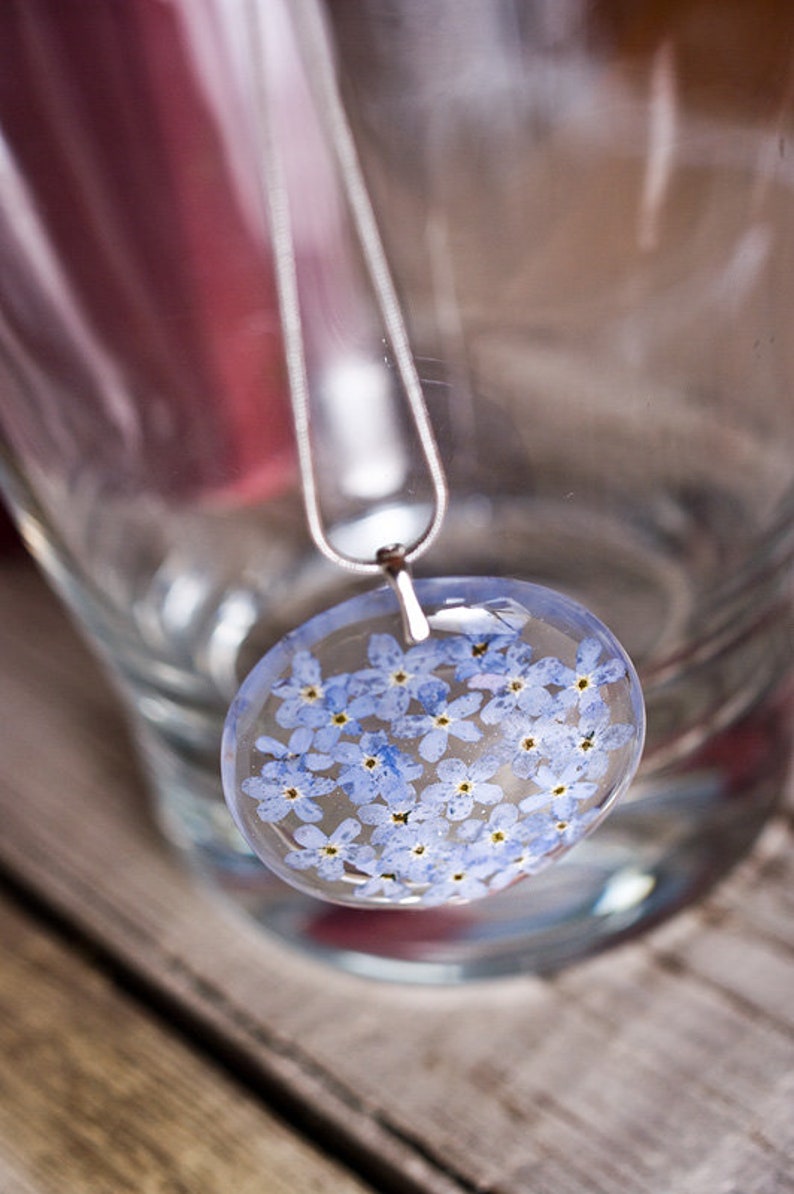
392, 560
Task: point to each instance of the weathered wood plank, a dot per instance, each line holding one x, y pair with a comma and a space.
96, 1098
666, 1065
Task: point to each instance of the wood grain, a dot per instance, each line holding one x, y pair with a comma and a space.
667, 1065
96, 1097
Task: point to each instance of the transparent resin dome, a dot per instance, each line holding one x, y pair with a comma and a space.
371, 773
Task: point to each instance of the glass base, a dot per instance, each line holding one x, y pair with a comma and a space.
719, 746
668, 843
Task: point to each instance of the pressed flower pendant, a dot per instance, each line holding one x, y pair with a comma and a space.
370, 773
417, 745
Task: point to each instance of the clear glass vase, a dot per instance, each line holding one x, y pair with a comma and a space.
587, 216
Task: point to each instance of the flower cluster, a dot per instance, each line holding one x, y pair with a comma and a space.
440, 772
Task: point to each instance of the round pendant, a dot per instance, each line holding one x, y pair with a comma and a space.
370, 773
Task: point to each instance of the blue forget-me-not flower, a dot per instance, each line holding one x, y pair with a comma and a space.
396, 676
439, 721
287, 786
462, 785
328, 853
373, 767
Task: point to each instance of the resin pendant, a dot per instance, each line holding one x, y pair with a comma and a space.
367, 773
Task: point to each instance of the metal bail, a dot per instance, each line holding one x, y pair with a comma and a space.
391, 560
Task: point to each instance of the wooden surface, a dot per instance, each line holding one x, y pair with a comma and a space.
97, 1096
665, 1067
